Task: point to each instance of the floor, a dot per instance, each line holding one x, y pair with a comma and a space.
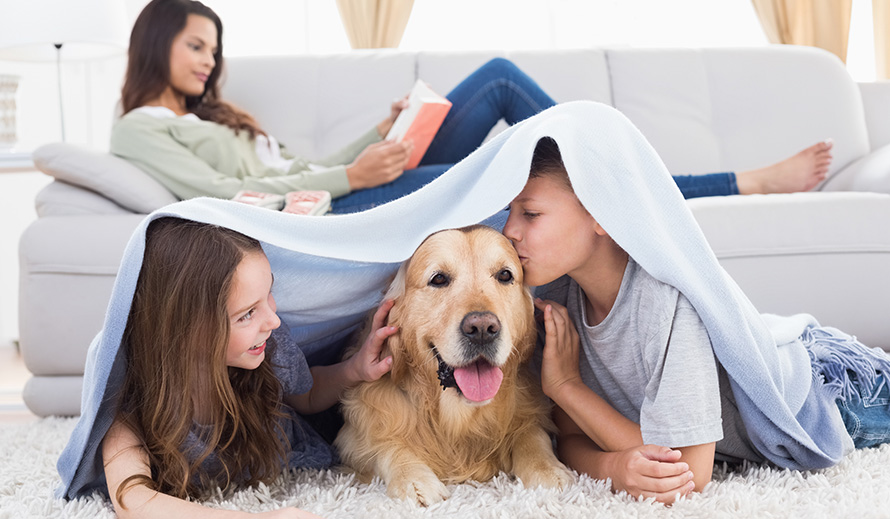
13, 375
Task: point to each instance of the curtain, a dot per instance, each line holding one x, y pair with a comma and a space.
373, 24
881, 20
818, 23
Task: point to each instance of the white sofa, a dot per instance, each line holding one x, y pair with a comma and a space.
826, 253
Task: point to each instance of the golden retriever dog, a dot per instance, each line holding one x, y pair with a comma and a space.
460, 403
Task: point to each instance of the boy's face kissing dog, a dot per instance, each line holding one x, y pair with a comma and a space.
459, 403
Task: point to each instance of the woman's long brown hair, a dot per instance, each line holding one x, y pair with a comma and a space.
148, 66
175, 346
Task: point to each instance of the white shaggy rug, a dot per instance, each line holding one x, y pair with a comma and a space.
859, 487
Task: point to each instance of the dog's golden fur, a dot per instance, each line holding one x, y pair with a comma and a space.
416, 435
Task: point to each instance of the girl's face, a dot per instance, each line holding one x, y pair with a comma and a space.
191, 56
251, 311
552, 233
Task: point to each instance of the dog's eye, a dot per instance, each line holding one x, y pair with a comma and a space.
439, 280
505, 276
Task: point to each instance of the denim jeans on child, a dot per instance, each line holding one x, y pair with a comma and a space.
868, 418
497, 90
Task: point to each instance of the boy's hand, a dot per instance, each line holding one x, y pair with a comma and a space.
366, 364
561, 349
651, 471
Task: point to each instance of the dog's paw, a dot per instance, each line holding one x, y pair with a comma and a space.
554, 475
420, 486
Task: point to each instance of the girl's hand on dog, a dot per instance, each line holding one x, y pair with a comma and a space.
559, 368
367, 365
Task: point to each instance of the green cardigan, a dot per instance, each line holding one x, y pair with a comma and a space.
202, 158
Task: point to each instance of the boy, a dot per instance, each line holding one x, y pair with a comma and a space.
643, 368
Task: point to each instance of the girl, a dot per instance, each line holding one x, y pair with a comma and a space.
630, 357
212, 381
178, 130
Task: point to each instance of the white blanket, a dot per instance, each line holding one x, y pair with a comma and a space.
329, 271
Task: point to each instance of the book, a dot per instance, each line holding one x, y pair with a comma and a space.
420, 121
268, 200
307, 202
294, 202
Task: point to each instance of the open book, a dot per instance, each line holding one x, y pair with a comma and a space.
420, 121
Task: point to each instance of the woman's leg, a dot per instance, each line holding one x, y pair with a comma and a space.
692, 186
712, 184
497, 90
411, 180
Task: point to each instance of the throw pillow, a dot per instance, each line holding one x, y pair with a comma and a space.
110, 176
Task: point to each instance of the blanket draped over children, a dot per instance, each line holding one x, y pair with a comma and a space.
330, 271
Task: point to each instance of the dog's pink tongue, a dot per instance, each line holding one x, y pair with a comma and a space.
479, 381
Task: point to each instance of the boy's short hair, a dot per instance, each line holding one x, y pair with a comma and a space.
547, 161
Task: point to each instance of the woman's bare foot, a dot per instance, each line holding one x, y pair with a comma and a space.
800, 172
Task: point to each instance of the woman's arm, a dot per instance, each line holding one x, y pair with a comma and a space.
124, 456
329, 382
147, 144
369, 161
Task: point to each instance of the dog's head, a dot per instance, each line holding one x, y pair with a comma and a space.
464, 315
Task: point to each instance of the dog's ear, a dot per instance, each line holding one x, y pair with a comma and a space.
397, 286
528, 328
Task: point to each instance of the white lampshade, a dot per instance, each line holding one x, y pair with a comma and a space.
85, 28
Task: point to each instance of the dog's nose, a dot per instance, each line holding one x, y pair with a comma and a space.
480, 327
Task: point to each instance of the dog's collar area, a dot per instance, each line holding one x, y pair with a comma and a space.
445, 372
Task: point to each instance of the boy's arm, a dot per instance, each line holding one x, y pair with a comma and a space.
642, 470
329, 382
598, 420
561, 381
589, 426
700, 459
124, 456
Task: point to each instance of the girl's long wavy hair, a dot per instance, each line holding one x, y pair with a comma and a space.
148, 65
175, 345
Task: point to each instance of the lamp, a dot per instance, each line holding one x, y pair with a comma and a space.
46, 30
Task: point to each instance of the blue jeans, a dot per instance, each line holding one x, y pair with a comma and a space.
867, 418
496, 90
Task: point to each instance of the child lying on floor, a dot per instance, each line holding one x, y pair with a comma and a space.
629, 358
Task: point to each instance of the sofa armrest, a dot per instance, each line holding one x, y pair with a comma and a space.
869, 173
826, 254
60, 198
103, 173
876, 102
67, 267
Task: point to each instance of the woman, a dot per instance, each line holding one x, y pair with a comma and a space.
177, 129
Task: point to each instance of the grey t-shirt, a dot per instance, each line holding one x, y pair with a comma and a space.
651, 359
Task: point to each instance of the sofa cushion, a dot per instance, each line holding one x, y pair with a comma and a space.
315, 105
706, 110
110, 176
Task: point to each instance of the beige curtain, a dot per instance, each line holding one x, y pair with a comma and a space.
373, 24
881, 20
818, 23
